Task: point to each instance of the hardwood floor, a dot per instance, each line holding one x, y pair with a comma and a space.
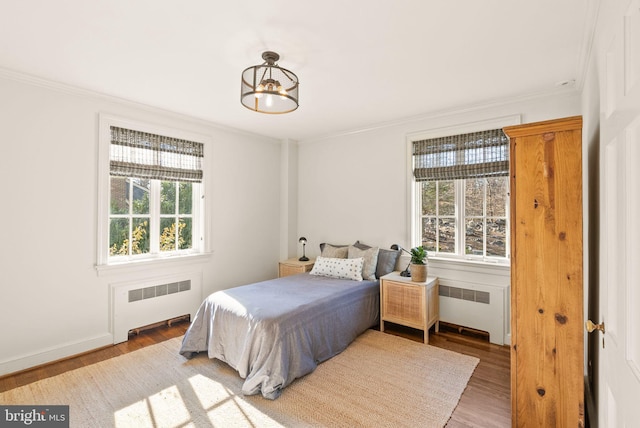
485, 403
145, 338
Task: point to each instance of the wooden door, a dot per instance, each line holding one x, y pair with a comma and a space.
547, 348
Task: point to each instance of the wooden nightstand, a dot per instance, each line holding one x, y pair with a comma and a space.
294, 266
409, 303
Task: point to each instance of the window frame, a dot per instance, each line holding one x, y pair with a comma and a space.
413, 191
200, 239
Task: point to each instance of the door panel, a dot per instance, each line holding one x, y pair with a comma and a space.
618, 351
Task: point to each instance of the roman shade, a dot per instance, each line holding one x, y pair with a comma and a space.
473, 155
150, 156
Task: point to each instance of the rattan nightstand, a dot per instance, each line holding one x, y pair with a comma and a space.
409, 303
294, 266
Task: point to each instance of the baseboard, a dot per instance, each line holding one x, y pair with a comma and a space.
507, 339
53, 354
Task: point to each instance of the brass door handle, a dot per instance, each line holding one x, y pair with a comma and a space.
590, 326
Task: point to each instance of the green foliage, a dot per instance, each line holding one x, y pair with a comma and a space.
186, 195
168, 197
141, 206
418, 255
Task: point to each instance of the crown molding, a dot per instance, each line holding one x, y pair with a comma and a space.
77, 91
460, 110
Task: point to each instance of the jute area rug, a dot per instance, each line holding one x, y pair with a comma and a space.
379, 380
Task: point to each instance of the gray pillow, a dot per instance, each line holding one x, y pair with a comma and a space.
333, 245
334, 252
370, 257
387, 259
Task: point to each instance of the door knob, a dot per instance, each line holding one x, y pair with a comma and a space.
590, 326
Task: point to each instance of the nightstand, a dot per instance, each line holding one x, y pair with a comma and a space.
294, 266
409, 303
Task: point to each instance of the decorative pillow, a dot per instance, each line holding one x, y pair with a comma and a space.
370, 257
333, 251
338, 268
387, 259
322, 244
362, 246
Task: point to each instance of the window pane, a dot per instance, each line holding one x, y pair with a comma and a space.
119, 237
168, 197
140, 236
497, 237
474, 237
446, 198
474, 197
429, 233
447, 235
429, 198
497, 188
167, 234
119, 195
185, 204
140, 204
184, 240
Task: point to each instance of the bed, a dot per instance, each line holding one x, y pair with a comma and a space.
275, 331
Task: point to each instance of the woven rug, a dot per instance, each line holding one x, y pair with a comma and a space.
379, 380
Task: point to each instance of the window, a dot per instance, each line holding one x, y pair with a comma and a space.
131, 223
152, 207
462, 195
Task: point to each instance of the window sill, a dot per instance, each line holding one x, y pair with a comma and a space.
139, 265
470, 264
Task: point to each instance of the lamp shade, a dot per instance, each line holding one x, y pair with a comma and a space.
269, 88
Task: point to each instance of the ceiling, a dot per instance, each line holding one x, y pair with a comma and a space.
360, 62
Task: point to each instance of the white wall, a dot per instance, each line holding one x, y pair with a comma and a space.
289, 200
52, 301
355, 186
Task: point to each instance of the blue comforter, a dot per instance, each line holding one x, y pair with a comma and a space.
275, 331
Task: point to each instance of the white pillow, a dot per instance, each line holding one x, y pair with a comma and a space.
338, 268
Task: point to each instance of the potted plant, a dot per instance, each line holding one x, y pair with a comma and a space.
418, 264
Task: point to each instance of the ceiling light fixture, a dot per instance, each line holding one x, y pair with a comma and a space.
268, 88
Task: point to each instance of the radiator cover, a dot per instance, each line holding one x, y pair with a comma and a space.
138, 303
474, 305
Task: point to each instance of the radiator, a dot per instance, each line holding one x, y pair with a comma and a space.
479, 306
140, 303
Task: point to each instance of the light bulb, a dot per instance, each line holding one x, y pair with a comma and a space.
269, 101
259, 90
